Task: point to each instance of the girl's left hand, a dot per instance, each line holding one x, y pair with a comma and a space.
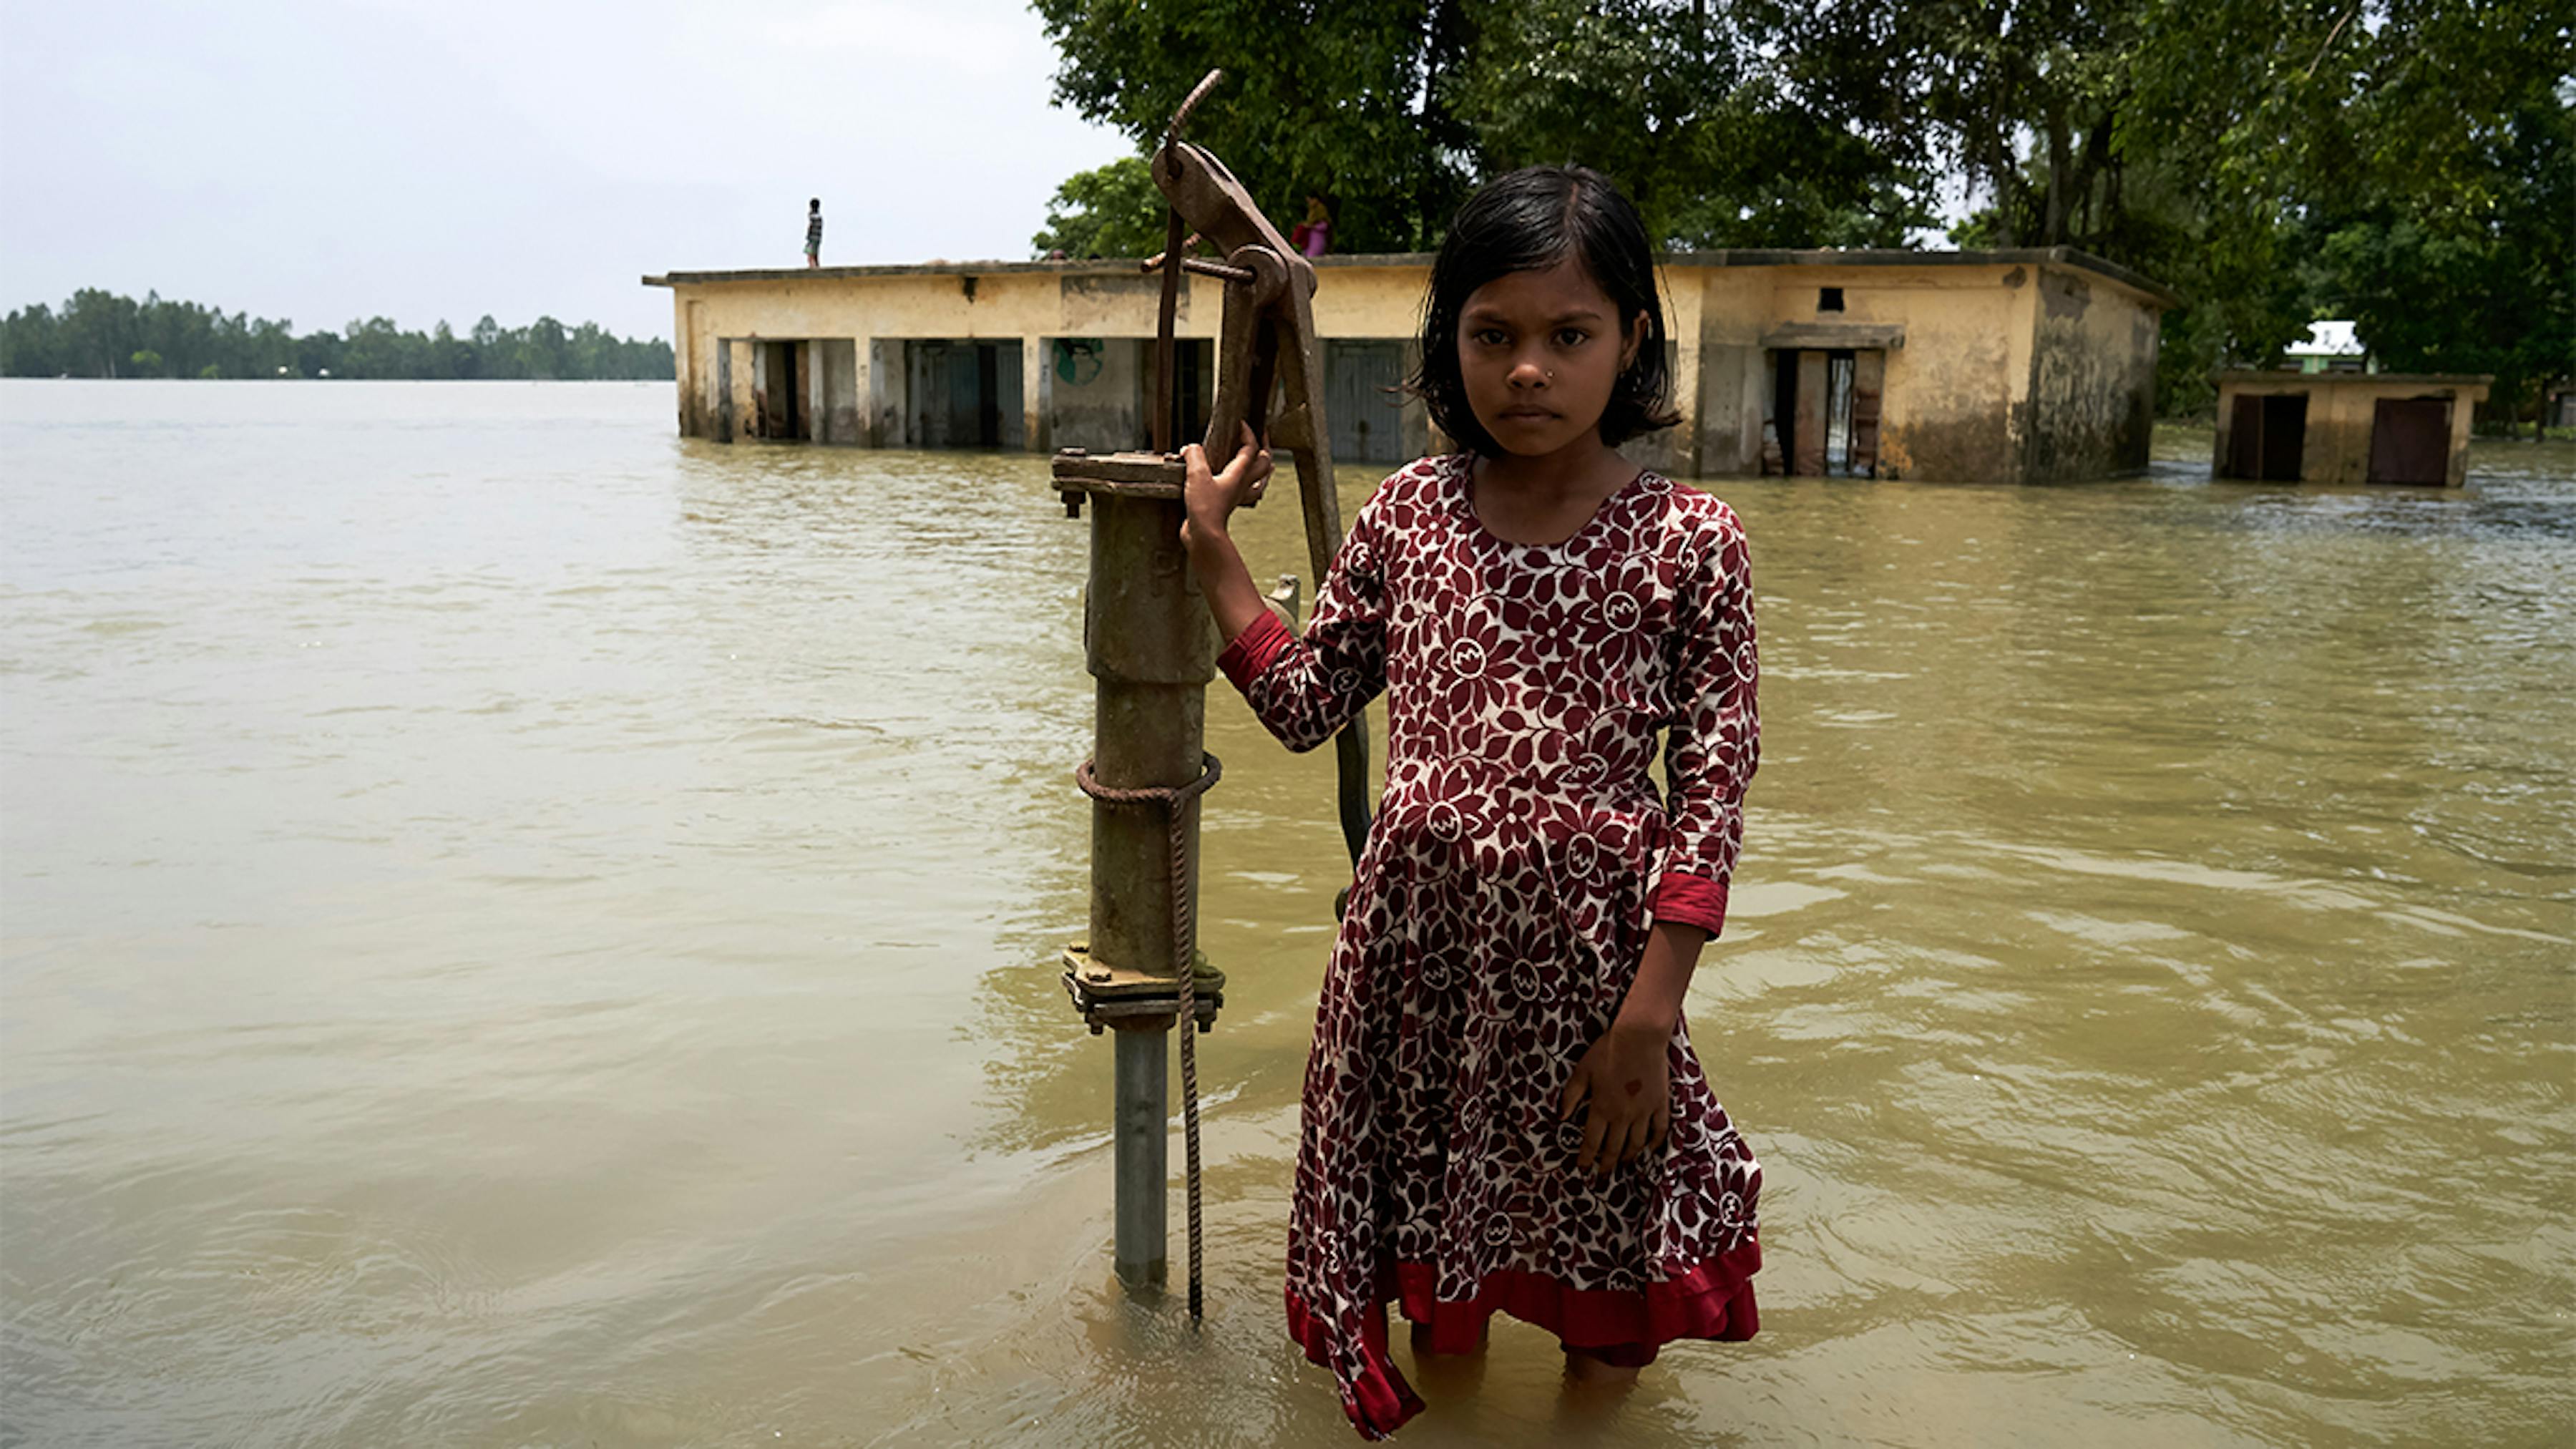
1209, 498
1626, 1076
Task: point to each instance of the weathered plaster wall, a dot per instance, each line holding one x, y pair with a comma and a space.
2091, 408
915, 304
1036, 395
690, 364
1727, 373
1097, 391
836, 386
742, 403
1358, 301
1364, 302
1120, 305
887, 401
860, 314
1945, 413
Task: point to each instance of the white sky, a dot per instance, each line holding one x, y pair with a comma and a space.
427, 159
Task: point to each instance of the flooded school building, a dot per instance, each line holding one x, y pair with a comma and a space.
2004, 366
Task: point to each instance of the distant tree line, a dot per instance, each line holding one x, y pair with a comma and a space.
102, 334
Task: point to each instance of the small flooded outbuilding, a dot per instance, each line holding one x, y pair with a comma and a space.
2013, 366
2346, 427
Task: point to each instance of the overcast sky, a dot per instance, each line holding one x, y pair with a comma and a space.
429, 159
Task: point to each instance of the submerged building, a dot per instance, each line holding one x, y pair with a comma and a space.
2010, 366
2346, 427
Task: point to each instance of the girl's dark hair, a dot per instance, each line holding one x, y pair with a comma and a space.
1528, 221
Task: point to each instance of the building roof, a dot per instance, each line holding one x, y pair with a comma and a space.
1122, 267
2280, 377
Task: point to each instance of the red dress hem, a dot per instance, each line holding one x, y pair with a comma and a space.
1714, 1300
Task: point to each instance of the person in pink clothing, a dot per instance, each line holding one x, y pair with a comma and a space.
1314, 236
1502, 1110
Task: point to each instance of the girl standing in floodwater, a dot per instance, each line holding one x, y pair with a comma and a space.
1502, 1110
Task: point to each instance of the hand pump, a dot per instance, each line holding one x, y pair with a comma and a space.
1151, 648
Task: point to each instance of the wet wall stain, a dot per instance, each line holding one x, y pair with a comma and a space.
2063, 294
2091, 408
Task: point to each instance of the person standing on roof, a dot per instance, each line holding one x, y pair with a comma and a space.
1314, 236
814, 232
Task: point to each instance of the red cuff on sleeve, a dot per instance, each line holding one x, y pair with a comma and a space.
1253, 650
1691, 900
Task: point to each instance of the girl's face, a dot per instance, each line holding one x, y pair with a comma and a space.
1541, 352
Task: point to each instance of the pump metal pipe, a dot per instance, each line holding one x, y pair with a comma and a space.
1141, 1156
1151, 648
1150, 645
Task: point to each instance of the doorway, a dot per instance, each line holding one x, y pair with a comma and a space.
1194, 369
777, 391
1361, 401
964, 394
1824, 414
2410, 441
2268, 437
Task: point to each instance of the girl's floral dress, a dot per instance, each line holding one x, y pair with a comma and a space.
1520, 852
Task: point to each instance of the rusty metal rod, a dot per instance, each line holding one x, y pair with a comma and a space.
1203, 267
1181, 117
1166, 387
1155, 262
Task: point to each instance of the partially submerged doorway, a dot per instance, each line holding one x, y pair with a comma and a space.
1823, 418
2268, 437
964, 394
777, 391
2410, 441
1194, 373
1363, 402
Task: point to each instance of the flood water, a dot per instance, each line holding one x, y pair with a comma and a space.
524, 930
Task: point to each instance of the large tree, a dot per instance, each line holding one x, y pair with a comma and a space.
2402, 162
1347, 99
1696, 111
1108, 211
2444, 223
1392, 112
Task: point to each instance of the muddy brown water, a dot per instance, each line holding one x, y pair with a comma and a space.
522, 930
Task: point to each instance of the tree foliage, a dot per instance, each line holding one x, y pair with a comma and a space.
2457, 253
1342, 100
103, 334
1108, 211
2405, 163
1392, 112
1691, 108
